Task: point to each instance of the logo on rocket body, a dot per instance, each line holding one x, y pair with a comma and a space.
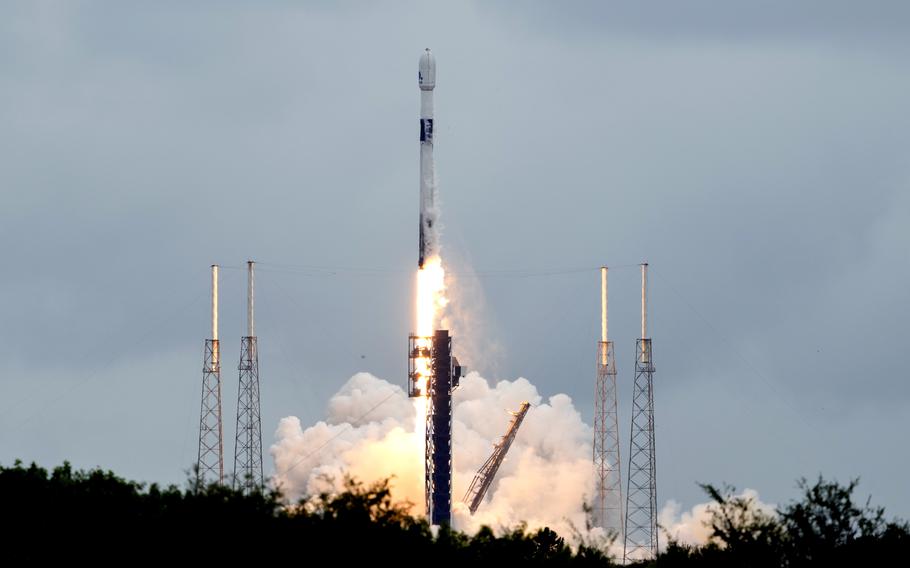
426, 130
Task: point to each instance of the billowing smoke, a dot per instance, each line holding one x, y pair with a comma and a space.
694, 526
370, 432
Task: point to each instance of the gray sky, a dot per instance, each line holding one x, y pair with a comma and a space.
756, 154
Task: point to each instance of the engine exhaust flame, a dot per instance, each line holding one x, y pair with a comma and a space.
431, 301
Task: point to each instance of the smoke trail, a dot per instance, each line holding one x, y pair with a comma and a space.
467, 317
544, 481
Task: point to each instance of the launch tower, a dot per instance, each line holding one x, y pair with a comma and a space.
442, 376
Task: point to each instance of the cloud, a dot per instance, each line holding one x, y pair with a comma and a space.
371, 433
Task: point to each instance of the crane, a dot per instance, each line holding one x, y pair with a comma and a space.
487, 472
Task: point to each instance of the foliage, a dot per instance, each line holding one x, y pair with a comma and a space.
825, 528
828, 528
742, 533
96, 516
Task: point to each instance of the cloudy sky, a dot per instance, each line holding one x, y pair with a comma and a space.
755, 154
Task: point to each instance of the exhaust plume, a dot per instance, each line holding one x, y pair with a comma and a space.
372, 431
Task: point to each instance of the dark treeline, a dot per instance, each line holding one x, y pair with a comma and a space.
96, 516
826, 527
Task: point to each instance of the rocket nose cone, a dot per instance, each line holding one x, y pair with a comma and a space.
426, 72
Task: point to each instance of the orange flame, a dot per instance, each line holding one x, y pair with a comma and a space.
431, 301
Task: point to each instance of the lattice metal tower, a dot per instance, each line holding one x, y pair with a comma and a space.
487, 472
641, 493
444, 375
607, 470
248, 443
210, 460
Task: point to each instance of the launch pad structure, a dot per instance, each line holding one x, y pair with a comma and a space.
443, 374
248, 440
640, 541
608, 512
484, 477
210, 459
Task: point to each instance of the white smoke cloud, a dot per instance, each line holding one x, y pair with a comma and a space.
370, 433
693, 526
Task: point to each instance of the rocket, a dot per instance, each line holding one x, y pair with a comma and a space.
426, 80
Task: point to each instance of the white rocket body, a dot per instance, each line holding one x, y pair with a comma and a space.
426, 80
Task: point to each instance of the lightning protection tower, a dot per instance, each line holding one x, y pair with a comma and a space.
607, 469
210, 461
641, 492
248, 443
